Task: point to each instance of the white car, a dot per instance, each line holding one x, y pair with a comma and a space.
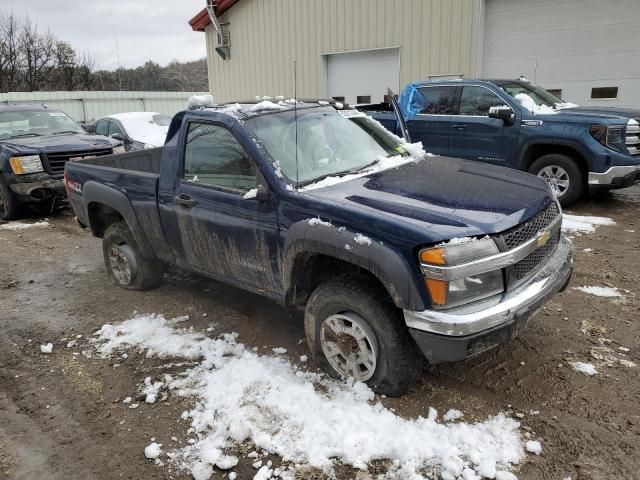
137, 130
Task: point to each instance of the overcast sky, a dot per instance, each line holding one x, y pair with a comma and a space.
146, 29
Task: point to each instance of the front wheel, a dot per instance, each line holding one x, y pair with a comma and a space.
563, 174
126, 266
8, 202
354, 331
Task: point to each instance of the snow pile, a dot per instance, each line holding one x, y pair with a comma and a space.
153, 450
583, 224
362, 239
22, 226
304, 417
533, 446
609, 292
200, 101
586, 368
266, 105
253, 193
48, 348
452, 415
530, 104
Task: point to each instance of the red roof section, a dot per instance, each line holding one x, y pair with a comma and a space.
200, 21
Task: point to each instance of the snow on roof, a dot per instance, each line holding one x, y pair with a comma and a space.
133, 115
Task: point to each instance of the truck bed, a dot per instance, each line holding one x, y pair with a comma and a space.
147, 161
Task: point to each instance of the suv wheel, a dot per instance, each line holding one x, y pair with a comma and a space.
8, 202
563, 174
126, 266
354, 331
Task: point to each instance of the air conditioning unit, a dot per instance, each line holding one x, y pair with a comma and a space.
222, 44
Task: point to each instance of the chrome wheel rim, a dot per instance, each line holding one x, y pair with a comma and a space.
122, 263
349, 345
557, 177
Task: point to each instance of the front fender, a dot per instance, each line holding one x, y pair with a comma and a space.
382, 261
93, 192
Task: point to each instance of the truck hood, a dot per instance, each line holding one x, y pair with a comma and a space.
608, 111
590, 115
445, 197
58, 143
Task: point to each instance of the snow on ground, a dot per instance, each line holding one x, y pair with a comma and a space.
582, 367
22, 225
583, 224
306, 418
48, 348
609, 292
533, 446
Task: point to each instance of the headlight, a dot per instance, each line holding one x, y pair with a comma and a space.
610, 137
445, 294
26, 164
118, 149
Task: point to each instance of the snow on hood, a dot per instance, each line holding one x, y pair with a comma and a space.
304, 417
530, 104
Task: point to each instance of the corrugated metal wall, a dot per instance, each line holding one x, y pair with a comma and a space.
87, 106
434, 36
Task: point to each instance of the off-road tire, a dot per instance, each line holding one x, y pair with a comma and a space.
399, 363
8, 202
577, 184
146, 273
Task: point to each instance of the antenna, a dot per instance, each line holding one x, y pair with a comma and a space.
295, 111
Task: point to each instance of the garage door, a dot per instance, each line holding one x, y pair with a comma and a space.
362, 77
587, 50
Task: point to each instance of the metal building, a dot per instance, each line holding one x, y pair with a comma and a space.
353, 49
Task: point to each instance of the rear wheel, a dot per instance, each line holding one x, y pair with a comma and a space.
126, 266
354, 331
8, 202
563, 174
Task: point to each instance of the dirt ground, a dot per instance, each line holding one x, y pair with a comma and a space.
62, 416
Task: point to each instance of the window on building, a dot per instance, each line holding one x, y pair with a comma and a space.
214, 157
435, 100
556, 92
363, 99
604, 92
477, 101
338, 99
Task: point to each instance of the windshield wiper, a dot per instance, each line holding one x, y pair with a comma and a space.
337, 174
26, 135
65, 131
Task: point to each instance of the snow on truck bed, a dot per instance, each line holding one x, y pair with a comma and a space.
304, 417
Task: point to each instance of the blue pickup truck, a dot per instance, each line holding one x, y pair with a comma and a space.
35, 144
516, 124
389, 251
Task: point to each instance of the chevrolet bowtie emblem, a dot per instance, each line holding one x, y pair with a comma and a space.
543, 238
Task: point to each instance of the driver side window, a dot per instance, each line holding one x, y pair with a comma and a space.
214, 157
476, 101
115, 128
102, 127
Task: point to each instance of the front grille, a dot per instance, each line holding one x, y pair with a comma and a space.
54, 162
519, 234
632, 140
529, 229
520, 270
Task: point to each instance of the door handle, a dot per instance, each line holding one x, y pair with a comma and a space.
459, 126
185, 201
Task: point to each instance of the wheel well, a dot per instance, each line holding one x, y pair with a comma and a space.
311, 269
536, 151
101, 216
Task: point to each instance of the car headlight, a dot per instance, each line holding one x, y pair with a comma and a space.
26, 164
118, 149
455, 292
610, 137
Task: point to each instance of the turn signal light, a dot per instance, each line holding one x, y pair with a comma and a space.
438, 290
433, 256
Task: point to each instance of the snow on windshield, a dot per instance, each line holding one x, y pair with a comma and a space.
530, 104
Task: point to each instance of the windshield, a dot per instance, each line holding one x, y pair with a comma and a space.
538, 94
161, 120
36, 124
329, 143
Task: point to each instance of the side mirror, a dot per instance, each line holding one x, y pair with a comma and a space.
118, 136
262, 194
503, 113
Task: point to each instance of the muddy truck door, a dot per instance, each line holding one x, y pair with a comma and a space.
218, 218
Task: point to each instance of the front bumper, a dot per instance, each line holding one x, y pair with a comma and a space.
446, 336
616, 177
36, 187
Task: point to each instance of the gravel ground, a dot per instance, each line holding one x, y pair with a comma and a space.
62, 417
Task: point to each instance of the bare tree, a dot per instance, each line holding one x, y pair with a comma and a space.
38, 55
9, 52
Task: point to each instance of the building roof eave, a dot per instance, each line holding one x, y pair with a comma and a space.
201, 20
